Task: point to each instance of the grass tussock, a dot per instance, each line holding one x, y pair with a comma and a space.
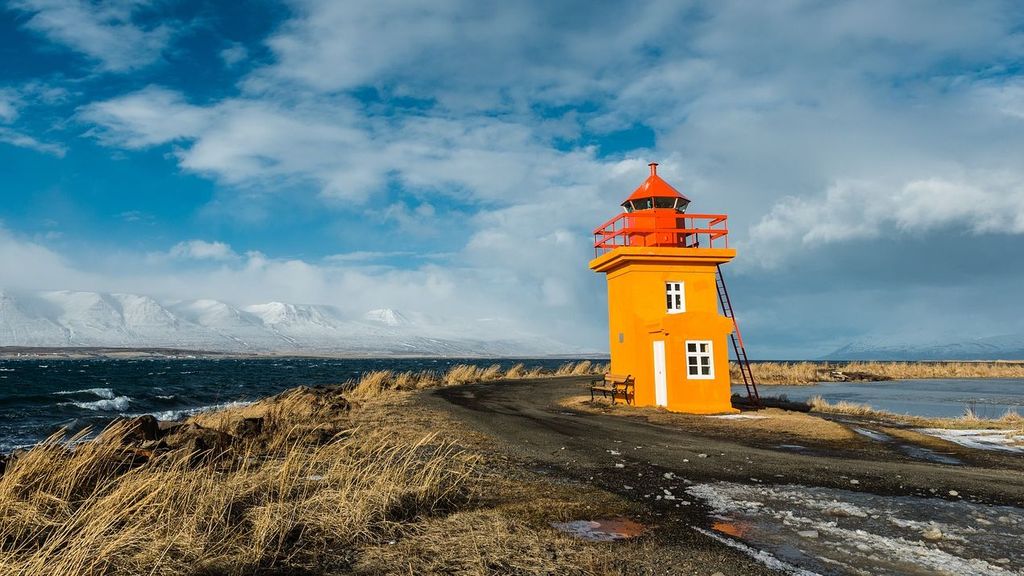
1010, 420
812, 372
377, 382
297, 483
261, 505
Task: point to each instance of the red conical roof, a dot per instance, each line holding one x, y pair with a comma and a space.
654, 187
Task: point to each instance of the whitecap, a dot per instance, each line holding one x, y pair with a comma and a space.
115, 404
174, 415
101, 392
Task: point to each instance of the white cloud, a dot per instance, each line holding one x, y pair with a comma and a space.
8, 105
864, 210
202, 250
810, 125
20, 140
150, 116
104, 31
234, 54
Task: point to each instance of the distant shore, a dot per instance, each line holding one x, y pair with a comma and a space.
811, 373
86, 352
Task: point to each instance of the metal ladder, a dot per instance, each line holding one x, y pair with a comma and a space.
737, 339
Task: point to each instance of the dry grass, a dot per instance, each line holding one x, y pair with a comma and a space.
812, 373
265, 504
298, 483
1010, 420
375, 383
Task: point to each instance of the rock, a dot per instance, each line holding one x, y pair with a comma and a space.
932, 534
718, 574
854, 482
863, 548
808, 533
702, 455
668, 475
954, 493
142, 428
247, 427
618, 465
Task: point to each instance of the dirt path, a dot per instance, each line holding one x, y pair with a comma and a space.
636, 456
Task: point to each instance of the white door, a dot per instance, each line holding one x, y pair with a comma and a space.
660, 384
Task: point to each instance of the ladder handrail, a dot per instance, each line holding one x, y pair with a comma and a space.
737, 339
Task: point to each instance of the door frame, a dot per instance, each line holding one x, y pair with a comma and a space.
660, 377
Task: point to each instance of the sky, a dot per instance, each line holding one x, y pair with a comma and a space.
451, 158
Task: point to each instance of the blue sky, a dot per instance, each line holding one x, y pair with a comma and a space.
451, 158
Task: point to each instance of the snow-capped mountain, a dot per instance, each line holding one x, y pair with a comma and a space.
1006, 347
73, 319
387, 316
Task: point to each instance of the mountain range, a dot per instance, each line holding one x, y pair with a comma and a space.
63, 319
1005, 347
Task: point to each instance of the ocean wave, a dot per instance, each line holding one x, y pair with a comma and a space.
116, 404
106, 393
174, 415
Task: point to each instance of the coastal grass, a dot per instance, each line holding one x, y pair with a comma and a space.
319, 486
254, 508
1009, 420
377, 382
808, 373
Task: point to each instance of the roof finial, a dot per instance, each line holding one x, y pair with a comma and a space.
654, 168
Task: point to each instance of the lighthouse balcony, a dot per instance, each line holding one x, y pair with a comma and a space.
663, 228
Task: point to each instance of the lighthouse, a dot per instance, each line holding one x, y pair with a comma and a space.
666, 330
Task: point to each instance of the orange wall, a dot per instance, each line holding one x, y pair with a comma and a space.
637, 312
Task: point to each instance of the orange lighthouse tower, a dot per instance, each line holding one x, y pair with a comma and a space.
664, 289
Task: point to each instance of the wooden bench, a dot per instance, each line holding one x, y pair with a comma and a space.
614, 385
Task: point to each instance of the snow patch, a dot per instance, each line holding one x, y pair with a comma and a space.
865, 533
738, 417
1005, 440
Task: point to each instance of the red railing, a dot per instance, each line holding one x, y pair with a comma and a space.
662, 228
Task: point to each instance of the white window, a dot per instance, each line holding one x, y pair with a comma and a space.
700, 361
675, 299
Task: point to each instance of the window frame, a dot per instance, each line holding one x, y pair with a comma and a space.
697, 354
680, 293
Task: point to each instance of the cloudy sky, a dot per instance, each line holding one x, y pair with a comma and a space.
451, 158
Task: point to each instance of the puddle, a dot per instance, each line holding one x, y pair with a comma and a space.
832, 531
920, 453
607, 530
872, 434
915, 452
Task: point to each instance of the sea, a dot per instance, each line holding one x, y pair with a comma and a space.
933, 397
41, 397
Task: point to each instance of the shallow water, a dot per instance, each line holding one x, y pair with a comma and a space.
829, 531
989, 397
38, 397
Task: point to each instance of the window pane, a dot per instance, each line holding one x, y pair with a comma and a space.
664, 202
691, 360
693, 371
703, 347
705, 361
705, 371
668, 301
691, 347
